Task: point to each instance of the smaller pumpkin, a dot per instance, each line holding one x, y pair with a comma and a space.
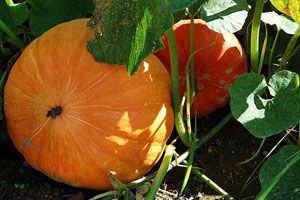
76, 120
219, 59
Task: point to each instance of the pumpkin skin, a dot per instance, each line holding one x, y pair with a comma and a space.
220, 59
108, 121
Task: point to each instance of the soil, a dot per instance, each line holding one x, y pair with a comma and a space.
218, 159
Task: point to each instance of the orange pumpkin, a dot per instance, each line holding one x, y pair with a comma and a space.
219, 58
76, 120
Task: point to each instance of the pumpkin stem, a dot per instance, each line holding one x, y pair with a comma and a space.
53, 112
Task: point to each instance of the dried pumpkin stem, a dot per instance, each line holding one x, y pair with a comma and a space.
179, 123
12, 35
254, 43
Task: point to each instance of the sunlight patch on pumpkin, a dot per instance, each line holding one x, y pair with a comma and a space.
118, 140
125, 125
146, 67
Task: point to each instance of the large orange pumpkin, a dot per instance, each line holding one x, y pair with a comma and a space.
219, 58
76, 120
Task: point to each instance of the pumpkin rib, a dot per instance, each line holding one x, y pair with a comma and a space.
87, 159
100, 79
39, 129
86, 123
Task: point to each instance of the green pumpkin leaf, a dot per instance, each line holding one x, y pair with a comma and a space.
45, 14
288, 7
176, 5
266, 117
128, 32
13, 15
279, 176
281, 21
224, 16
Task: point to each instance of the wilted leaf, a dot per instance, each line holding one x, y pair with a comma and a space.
266, 117
225, 16
289, 7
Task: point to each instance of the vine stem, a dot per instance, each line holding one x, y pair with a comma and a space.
263, 51
12, 35
161, 173
272, 52
179, 123
210, 182
192, 60
191, 158
254, 43
289, 49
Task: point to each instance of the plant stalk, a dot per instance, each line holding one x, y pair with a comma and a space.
271, 53
263, 51
161, 173
179, 123
289, 49
192, 60
210, 182
254, 43
191, 159
12, 35
188, 105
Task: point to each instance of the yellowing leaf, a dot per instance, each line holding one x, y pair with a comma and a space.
289, 7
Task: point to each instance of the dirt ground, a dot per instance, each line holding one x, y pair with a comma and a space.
218, 159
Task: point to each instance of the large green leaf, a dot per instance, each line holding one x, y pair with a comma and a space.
279, 176
13, 15
45, 14
266, 117
176, 5
289, 7
225, 16
129, 32
281, 22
